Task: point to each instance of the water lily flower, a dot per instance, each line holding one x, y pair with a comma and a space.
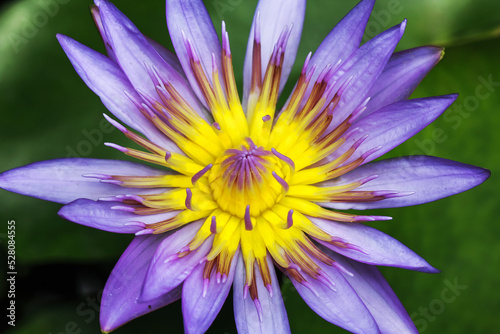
242, 188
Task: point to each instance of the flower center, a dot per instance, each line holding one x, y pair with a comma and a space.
247, 179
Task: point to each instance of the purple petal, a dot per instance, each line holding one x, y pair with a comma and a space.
422, 178
190, 17
392, 125
134, 54
364, 67
166, 54
120, 299
342, 307
402, 74
371, 246
163, 276
199, 310
275, 15
376, 294
274, 319
98, 22
347, 34
106, 79
100, 215
62, 181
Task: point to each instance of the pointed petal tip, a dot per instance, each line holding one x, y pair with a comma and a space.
483, 174
402, 26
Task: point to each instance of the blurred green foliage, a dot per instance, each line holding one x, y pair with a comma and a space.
47, 112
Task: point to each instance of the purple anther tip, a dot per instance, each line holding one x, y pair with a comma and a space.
257, 28
213, 225
168, 155
144, 232
245, 291
269, 288
368, 179
115, 124
206, 281
189, 196
135, 198
97, 176
266, 118
289, 219
116, 147
123, 208
306, 63
259, 309
135, 223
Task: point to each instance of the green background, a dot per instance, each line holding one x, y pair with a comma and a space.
47, 112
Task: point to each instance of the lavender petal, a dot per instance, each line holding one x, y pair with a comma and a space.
423, 178
120, 299
62, 180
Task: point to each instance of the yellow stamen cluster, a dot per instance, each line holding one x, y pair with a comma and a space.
251, 179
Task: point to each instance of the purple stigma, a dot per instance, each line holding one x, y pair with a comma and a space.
248, 220
266, 118
281, 181
284, 158
202, 172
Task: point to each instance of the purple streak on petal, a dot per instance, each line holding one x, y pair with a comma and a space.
428, 178
191, 17
376, 294
120, 298
364, 67
133, 50
62, 180
402, 74
201, 302
101, 216
274, 15
394, 124
376, 247
274, 318
105, 78
167, 269
342, 307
